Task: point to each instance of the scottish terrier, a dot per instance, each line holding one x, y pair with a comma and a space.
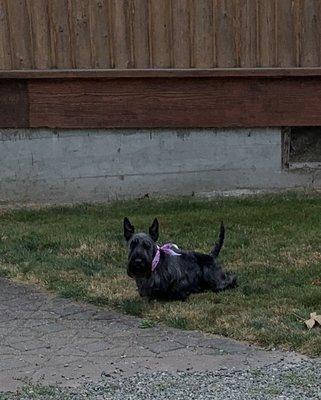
168, 273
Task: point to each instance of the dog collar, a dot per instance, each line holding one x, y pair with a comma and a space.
168, 248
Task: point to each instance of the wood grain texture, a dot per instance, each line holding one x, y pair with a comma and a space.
40, 31
266, 32
285, 33
311, 33
175, 102
20, 34
100, 32
203, 34
126, 34
122, 33
227, 43
181, 35
80, 33
62, 55
160, 73
14, 110
248, 28
160, 33
140, 33
297, 16
5, 48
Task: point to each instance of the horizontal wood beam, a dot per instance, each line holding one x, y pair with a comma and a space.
175, 102
161, 102
159, 73
14, 104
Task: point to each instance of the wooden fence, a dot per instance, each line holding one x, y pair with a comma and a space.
122, 34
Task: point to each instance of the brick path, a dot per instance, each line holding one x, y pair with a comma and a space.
46, 339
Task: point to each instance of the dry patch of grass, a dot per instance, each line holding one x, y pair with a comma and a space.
273, 245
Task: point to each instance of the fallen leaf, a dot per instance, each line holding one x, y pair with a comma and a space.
313, 321
310, 323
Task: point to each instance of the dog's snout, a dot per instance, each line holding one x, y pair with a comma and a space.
138, 267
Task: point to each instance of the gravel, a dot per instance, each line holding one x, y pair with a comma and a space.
291, 381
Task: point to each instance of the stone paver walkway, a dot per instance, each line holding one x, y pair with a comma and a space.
51, 340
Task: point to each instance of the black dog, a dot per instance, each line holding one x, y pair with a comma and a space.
168, 273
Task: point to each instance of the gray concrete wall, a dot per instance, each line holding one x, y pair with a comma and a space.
45, 166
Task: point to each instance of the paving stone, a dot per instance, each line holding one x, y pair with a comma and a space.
49, 340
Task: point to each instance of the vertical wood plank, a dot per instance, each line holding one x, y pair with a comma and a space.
267, 33
226, 40
110, 23
181, 33
140, 33
61, 47
203, 45
81, 33
121, 12
311, 33
159, 33
160, 25
285, 34
248, 33
297, 7
100, 31
20, 34
39, 22
130, 22
5, 50
237, 17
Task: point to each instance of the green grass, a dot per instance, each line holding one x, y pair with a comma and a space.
146, 323
272, 244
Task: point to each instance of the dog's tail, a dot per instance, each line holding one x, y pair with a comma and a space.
218, 245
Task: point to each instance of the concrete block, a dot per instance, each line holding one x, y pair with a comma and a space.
50, 166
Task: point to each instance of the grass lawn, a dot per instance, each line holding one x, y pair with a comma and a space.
272, 244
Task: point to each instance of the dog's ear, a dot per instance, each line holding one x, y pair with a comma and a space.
153, 230
129, 229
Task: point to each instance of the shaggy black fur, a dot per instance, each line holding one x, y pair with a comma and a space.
175, 277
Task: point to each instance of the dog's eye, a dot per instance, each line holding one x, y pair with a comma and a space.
133, 243
146, 246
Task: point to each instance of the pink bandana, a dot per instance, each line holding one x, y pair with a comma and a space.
168, 248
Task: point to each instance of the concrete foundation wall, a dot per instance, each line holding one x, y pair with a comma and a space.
45, 166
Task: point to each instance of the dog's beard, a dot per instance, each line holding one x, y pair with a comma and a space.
142, 271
